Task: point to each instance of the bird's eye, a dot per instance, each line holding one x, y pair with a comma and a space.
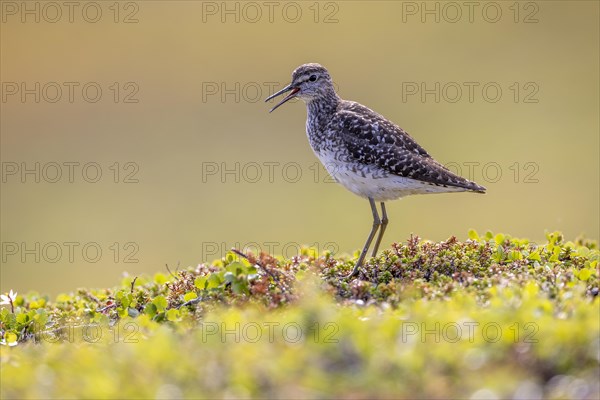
312, 78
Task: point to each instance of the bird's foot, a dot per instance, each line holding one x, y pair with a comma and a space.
354, 271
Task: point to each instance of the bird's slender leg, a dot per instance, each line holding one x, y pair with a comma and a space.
384, 222
363, 253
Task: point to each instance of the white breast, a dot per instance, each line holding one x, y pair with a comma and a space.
376, 183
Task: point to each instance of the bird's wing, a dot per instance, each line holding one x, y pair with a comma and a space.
371, 139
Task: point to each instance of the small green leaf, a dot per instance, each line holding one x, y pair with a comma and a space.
240, 287
41, 317
150, 309
515, 255
585, 274
473, 234
10, 338
38, 303
583, 251
535, 256
555, 254
214, 280
123, 298
190, 296
200, 282
236, 268
499, 254
173, 315
160, 302
22, 318
63, 298
499, 238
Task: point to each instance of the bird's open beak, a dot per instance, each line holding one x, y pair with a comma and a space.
290, 96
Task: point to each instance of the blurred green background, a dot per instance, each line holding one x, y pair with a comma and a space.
197, 73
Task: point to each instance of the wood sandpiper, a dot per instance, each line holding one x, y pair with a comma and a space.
368, 154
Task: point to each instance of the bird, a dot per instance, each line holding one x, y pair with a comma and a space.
366, 153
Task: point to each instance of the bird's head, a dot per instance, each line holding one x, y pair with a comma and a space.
309, 82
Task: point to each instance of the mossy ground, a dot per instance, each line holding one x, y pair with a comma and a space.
488, 317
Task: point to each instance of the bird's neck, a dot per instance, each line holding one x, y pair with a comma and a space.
320, 112
323, 105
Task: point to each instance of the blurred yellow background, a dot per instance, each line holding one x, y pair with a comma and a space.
192, 163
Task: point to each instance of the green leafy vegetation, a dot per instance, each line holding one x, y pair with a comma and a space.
493, 316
